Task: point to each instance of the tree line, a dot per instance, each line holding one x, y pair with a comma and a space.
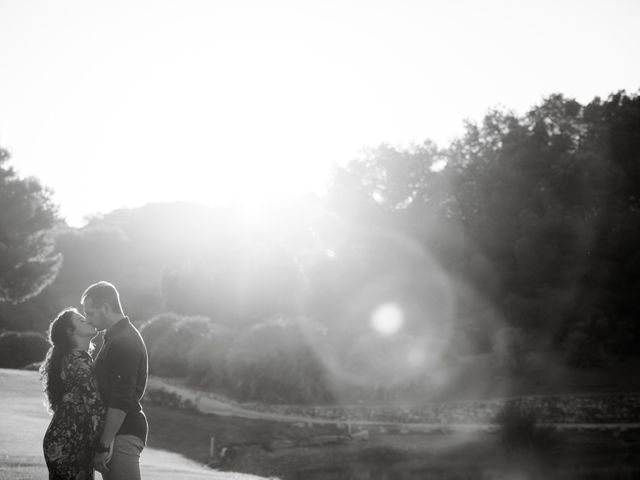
520, 237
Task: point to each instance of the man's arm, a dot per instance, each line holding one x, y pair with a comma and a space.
112, 424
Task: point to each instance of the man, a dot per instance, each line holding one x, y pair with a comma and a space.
121, 371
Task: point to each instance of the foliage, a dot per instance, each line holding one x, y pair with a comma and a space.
170, 339
33, 315
157, 327
27, 215
18, 349
537, 215
106, 250
160, 396
520, 236
274, 361
207, 359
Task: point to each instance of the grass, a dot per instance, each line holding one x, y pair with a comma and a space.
24, 420
22, 426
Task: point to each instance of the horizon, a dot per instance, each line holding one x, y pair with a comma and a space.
235, 102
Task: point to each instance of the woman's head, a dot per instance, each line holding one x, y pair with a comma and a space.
61, 330
67, 332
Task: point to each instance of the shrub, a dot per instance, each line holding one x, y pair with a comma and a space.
18, 349
168, 357
155, 328
274, 362
170, 338
207, 362
169, 399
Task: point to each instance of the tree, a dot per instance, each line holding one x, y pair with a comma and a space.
538, 215
28, 262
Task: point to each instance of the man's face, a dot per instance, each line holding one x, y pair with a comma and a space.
95, 316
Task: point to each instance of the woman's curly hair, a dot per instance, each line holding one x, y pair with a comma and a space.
60, 338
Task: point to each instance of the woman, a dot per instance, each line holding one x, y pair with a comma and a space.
72, 395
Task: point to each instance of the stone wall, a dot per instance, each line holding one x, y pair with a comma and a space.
609, 408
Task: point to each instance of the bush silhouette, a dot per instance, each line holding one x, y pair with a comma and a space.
274, 362
18, 349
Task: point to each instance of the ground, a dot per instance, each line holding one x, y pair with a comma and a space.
269, 443
179, 446
24, 420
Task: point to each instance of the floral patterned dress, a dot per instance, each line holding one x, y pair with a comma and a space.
78, 420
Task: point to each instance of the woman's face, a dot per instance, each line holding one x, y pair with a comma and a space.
82, 330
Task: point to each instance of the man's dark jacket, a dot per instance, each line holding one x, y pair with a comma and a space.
121, 369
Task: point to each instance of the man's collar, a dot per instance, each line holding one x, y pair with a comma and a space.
115, 328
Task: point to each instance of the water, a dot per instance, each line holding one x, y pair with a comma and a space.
416, 470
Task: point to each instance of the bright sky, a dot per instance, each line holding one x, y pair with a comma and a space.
121, 103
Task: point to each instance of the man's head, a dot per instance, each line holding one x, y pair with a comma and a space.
101, 303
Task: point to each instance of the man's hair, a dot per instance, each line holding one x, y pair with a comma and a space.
101, 293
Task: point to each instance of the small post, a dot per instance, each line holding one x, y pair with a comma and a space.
211, 447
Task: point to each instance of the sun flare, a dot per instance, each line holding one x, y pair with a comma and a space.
387, 319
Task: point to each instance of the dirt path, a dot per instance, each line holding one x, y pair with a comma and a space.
24, 420
211, 405
207, 404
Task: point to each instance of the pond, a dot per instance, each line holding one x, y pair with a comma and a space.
506, 472
569, 455
570, 463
